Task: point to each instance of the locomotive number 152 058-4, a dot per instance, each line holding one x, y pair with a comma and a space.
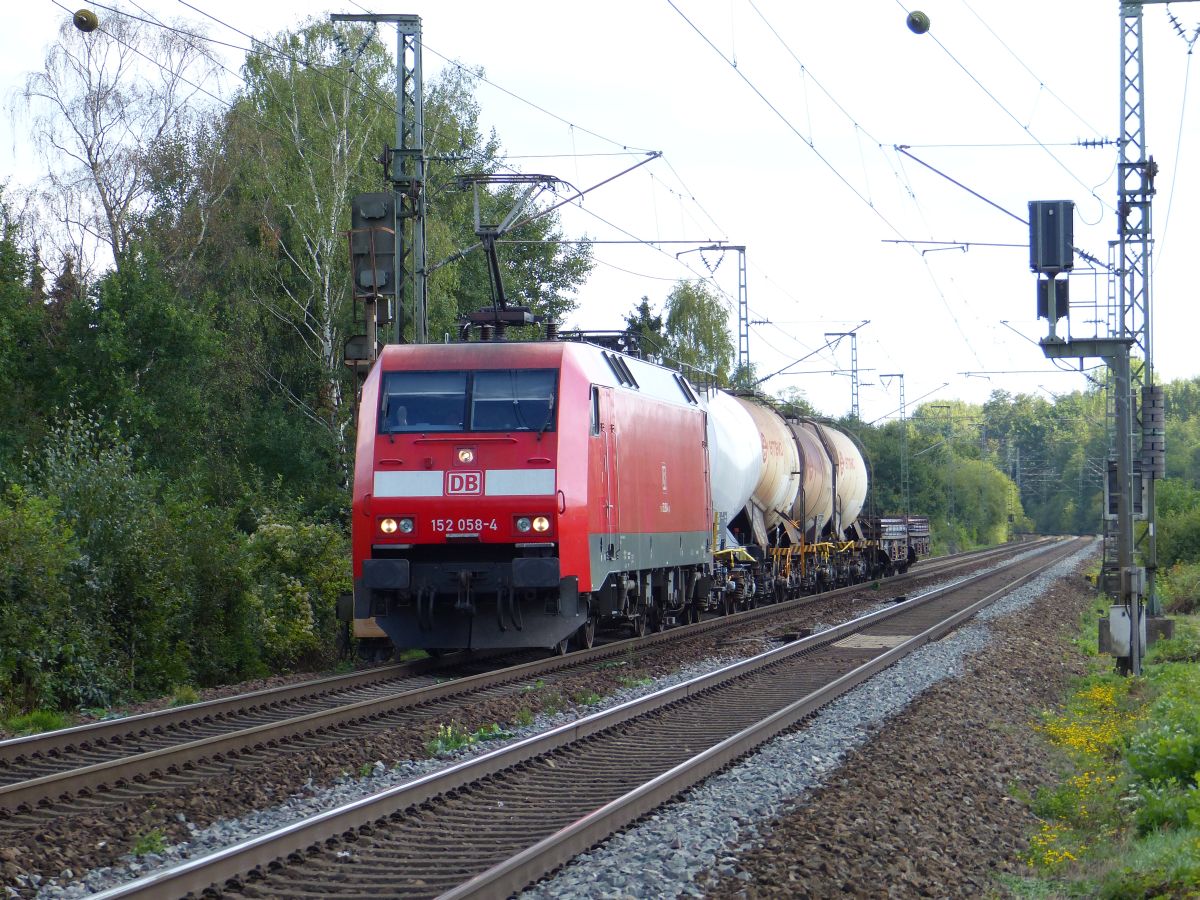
464, 526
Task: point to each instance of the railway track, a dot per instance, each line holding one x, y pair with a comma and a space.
491, 825
93, 767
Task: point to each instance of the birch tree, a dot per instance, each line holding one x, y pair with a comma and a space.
313, 116
100, 102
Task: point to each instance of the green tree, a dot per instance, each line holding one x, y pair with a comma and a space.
311, 128
647, 329
697, 332
537, 270
49, 650
23, 351
793, 402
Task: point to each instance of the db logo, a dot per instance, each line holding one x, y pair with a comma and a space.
464, 482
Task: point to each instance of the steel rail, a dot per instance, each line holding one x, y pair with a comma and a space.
125, 728
550, 853
299, 838
129, 727
27, 794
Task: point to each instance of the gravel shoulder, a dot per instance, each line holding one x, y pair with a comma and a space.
906, 786
927, 807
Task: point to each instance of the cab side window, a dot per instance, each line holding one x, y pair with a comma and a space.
595, 410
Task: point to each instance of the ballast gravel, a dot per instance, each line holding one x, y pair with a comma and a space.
730, 836
921, 809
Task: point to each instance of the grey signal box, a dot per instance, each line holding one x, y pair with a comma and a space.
373, 246
1051, 236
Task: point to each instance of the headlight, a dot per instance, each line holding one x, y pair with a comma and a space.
541, 523
466, 455
387, 526
523, 523
406, 525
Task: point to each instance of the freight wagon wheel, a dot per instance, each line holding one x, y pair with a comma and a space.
693, 613
638, 624
726, 604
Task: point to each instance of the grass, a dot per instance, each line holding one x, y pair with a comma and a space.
630, 682
36, 722
153, 841
184, 695
1124, 819
448, 739
454, 736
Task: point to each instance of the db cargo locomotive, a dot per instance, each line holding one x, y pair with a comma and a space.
524, 494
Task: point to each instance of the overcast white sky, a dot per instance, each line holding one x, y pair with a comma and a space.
812, 187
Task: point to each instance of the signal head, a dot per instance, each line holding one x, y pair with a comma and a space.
918, 22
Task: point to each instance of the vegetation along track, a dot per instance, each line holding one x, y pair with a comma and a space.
495, 823
91, 767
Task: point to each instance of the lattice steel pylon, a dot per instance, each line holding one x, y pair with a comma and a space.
743, 361
405, 168
1136, 171
838, 335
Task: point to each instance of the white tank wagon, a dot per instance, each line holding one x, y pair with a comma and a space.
813, 507
802, 472
735, 462
849, 474
791, 493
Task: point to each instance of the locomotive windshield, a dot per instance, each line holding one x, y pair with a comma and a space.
487, 400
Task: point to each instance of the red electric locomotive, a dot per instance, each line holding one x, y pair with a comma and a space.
518, 494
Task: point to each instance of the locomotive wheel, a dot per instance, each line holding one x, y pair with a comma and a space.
726, 605
692, 614
563, 647
585, 637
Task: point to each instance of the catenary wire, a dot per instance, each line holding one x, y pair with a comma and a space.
1034, 75
811, 145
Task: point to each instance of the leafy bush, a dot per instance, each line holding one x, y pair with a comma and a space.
1184, 647
1168, 751
114, 583
297, 569
153, 841
1179, 536
1166, 805
50, 648
1179, 587
448, 739
128, 581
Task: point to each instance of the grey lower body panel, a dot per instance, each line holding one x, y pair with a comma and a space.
616, 553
